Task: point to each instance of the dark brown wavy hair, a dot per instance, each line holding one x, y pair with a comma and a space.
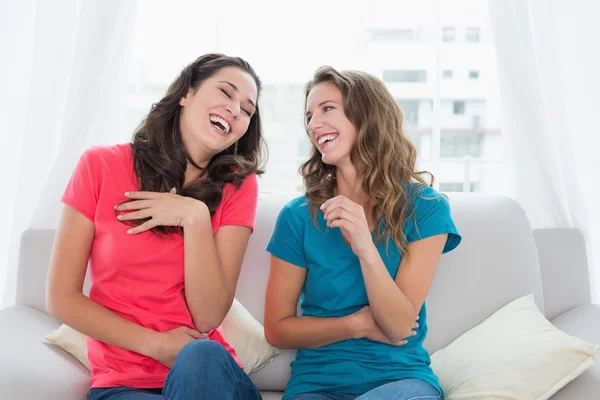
159, 155
383, 155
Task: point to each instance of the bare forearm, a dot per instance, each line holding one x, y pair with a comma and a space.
206, 289
391, 308
309, 332
96, 321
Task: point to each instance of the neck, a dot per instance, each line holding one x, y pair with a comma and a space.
347, 184
201, 157
192, 173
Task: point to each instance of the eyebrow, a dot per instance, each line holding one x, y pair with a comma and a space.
322, 103
238, 90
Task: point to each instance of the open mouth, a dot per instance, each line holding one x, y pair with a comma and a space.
220, 124
323, 140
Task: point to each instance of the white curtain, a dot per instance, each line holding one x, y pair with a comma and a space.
64, 80
548, 63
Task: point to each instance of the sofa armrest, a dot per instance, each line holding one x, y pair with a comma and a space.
582, 322
564, 268
31, 368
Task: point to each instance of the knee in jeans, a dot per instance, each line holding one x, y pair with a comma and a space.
203, 351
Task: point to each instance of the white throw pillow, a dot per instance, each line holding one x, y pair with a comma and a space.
240, 329
72, 342
247, 336
514, 354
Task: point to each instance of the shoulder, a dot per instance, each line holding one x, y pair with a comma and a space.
250, 183
247, 189
290, 226
431, 216
295, 212
297, 207
108, 155
423, 198
99, 161
424, 192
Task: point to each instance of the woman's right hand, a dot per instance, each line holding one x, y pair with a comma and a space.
367, 327
167, 345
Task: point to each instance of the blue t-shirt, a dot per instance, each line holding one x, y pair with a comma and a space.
335, 287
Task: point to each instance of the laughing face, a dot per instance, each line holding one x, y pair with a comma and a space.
218, 112
330, 130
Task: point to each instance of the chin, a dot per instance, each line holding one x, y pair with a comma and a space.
329, 160
214, 146
336, 160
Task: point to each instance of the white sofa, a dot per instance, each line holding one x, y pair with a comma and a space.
499, 259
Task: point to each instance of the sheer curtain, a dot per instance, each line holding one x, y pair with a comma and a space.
63, 91
548, 62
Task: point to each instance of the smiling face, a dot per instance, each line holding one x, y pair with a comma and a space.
330, 130
216, 114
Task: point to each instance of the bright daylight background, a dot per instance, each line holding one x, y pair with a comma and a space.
498, 97
438, 62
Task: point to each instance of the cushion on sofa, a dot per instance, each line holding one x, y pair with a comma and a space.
240, 329
514, 354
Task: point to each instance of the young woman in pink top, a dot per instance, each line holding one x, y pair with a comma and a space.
164, 222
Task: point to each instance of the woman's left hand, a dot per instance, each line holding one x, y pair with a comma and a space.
163, 209
341, 212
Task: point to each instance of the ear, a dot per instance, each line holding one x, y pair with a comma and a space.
187, 97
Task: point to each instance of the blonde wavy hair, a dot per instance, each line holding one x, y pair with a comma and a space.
384, 157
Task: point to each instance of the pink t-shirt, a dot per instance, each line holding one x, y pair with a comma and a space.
139, 277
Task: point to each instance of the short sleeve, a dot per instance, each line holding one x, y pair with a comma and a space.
239, 205
84, 186
286, 239
432, 217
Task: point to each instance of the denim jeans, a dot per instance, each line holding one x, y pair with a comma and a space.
202, 370
405, 389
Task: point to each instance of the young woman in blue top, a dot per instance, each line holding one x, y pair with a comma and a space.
361, 249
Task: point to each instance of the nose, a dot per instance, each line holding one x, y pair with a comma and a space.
314, 125
234, 109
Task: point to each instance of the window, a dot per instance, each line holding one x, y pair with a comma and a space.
472, 35
461, 144
458, 187
410, 109
402, 41
392, 35
416, 138
303, 147
459, 107
402, 75
448, 35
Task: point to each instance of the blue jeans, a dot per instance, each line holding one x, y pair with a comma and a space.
203, 369
405, 389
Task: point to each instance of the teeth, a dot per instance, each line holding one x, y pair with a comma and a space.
222, 122
325, 138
